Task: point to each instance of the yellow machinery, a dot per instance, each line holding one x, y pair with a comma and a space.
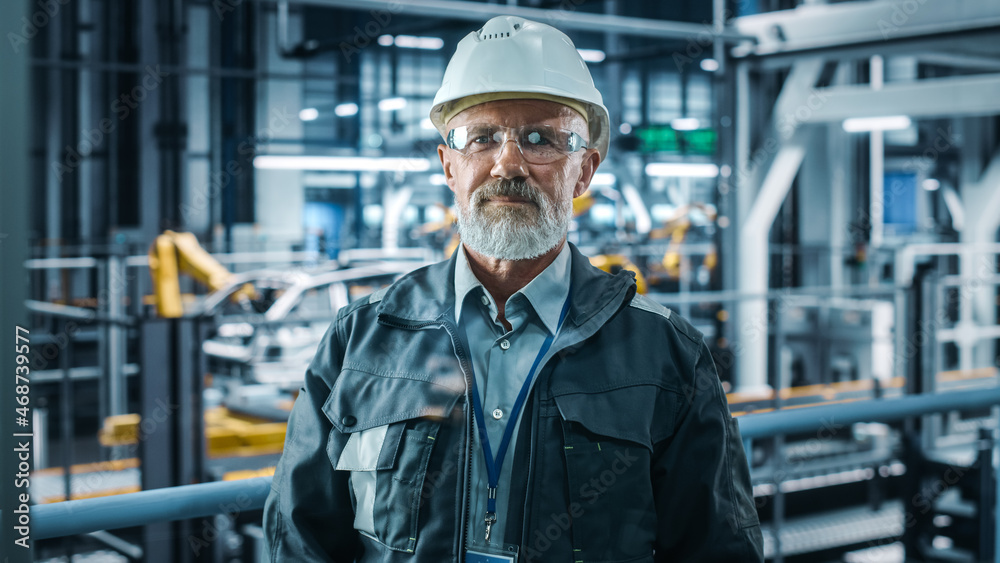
676, 229
583, 203
614, 263
446, 226
172, 253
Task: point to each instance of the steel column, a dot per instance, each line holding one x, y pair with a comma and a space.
754, 260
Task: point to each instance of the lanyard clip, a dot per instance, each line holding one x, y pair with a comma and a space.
491, 518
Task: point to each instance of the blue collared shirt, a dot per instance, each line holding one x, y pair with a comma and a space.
501, 360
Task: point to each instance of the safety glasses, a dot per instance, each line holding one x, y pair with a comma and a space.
539, 144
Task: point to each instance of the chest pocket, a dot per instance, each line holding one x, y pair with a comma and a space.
608, 439
384, 431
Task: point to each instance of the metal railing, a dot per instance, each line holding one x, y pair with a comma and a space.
195, 501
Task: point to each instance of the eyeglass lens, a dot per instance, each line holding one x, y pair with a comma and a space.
539, 144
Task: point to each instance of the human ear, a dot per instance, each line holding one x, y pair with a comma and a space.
588, 167
447, 166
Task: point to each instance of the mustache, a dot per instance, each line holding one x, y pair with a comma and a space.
508, 187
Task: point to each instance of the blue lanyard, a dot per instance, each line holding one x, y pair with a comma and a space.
493, 465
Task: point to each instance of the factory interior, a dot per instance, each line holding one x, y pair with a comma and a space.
194, 188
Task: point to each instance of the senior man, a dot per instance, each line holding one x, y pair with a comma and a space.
513, 403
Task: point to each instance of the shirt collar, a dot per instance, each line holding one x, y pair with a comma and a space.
546, 293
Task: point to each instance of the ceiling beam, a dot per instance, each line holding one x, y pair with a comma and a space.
561, 18
935, 97
876, 24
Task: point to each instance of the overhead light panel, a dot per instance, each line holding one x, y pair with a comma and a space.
592, 55
341, 163
685, 124
682, 170
309, 114
426, 123
346, 110
709, 65
392, 104
385, 40
885, 123
415, 42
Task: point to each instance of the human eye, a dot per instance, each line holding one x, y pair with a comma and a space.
481, 136
541, 137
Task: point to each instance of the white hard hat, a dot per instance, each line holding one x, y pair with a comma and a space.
515, 58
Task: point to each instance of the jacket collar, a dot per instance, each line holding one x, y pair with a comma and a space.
427, 295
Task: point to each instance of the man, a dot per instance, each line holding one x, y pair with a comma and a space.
513, 403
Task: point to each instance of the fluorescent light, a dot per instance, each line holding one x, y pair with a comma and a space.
433, 213
426, 123
682, 170
662, 212
603, 179
930, 184
603, 213
414, 42
886, 123
372, 214
309, 114
685, 124
709, 65
341, 163
392, 104
346, 110
439, 180
592, 55
385, 40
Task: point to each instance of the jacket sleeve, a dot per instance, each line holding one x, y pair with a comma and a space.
701, 480
308, 515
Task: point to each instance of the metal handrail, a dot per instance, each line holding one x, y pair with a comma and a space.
73, 517
197, 501
811, 419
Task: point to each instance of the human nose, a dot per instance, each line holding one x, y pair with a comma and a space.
509, 161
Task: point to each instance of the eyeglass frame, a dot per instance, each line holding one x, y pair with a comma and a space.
575, 141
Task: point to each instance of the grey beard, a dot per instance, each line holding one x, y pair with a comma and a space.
512, 232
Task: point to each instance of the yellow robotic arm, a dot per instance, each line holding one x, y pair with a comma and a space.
172, 253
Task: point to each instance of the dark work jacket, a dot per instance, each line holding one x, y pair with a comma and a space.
626, 450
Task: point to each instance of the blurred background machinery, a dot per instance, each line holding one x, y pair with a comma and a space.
200, 186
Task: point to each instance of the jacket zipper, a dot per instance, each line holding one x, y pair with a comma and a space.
466, 518
463, 361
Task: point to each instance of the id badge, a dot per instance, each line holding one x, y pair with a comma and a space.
491, 555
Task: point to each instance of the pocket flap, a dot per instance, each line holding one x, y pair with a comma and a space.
361, 400
364, 449
643, 414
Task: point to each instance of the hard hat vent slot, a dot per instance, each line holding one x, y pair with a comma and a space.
495, 36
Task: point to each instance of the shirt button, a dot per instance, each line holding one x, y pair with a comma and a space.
349, 420
497, 414
485, 300
504, 344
